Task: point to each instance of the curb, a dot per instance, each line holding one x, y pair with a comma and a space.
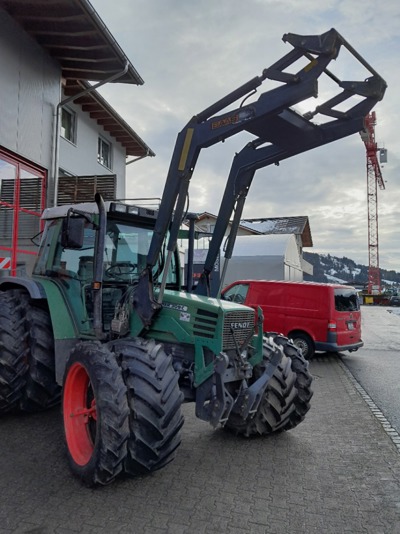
376, 412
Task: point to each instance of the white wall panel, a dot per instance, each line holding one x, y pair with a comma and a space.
9, 83
29, 94
255, 268
29, 91
81, 158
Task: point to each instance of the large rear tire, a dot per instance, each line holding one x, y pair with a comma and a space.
13, 349
155, 405
278, 409
41, 390
95, 411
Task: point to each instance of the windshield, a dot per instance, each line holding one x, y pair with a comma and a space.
125, 253
236, 293
346, 300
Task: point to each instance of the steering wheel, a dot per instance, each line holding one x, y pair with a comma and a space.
121, 269
239, 298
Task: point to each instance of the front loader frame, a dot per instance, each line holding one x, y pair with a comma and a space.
271, 120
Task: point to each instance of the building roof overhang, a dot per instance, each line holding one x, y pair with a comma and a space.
298, 225
106, 117
75, 36
73, 33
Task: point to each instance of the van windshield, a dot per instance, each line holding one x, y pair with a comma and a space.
236, 293
346, 300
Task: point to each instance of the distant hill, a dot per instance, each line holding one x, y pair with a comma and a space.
329, 268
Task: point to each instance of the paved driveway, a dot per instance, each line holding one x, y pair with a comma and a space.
336, 472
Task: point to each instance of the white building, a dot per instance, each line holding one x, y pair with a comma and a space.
266, 248
60, 141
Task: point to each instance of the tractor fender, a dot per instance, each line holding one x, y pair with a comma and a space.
35, 289
64, 334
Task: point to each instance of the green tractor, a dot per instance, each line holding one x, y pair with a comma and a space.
107, 323
75, 324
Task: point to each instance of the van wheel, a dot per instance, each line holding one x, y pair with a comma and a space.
304, 343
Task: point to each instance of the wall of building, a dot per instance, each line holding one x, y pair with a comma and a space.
80, 159
265, 257
293, 265
292, 273
30, 90
255, 268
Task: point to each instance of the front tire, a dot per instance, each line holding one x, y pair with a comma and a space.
282, 406
155, 405
303, 381
95, 412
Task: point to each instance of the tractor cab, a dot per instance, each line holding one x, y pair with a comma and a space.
69, 252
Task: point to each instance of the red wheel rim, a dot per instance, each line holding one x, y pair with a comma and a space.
80, 415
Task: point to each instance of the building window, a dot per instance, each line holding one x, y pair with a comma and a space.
68, 125
104, 153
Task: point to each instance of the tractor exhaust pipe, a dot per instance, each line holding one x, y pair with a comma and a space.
97, 283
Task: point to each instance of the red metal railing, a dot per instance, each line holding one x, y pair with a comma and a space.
18, 196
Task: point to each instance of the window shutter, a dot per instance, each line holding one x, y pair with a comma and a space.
72, 189
30, 196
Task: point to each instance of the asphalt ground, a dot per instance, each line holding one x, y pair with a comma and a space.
337, 472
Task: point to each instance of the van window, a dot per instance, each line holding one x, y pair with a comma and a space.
346, 300
236, 293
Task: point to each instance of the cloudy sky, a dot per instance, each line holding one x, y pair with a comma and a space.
191, 53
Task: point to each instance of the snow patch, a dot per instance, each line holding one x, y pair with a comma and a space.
335, 280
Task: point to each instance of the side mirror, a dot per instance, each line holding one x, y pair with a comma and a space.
72, 232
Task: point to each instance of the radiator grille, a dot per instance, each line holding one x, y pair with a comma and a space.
205, 323
243, 325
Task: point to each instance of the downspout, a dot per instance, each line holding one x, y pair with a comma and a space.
56, 140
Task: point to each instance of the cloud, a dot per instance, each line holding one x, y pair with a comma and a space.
190, 54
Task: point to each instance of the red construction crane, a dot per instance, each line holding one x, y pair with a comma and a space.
374, 178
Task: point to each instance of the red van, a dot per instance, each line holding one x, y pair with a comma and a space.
317, 317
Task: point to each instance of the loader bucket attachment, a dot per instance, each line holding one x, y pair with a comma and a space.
279, 130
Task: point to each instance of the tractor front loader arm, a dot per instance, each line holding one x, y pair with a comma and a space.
287, 134
269, 119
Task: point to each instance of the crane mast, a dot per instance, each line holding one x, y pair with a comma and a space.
374, 178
